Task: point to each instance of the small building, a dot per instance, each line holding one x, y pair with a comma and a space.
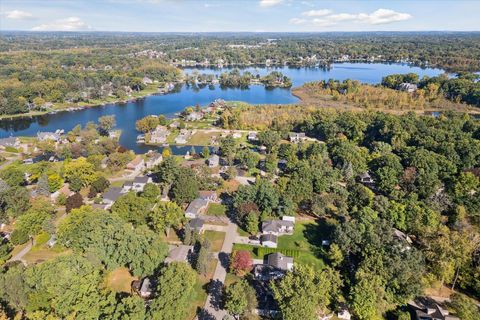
43, 136
136, 164
196, 208
147, 80
194, 116
277, 227
297, 137
344, 313
195, 225
210, 196
52, 241
154, 159
252, 136
12, 142
426, 309
111, 196
407, 87
213, 161
143, 287
183, 136
269, 240
179, 253
280, 261
366, 179
236, 135
139, 183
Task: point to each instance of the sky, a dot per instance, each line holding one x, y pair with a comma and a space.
239, 15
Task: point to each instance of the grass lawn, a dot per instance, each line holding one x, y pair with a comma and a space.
172, 237
202, 138
216, 240
216, 209
37, 255
119, 280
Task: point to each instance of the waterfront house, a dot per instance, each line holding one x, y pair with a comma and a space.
407, 87
43, 136
194, 116
268, 240
297, 137
136, 164
196, 208
147, 80
159, 135
213, 161
12, 142
183, 136
153, 160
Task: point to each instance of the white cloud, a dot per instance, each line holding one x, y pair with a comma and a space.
68, 24
317, 13
18, 15
297, 21
328, 19
269, 3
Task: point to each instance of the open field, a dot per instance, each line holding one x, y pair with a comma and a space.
216, 239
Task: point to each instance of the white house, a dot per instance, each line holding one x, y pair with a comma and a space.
268, 240
153, 160
136, 164
213, 161
13, 142
277, 227
296, 137
140, 182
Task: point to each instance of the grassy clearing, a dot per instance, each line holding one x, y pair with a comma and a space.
202, 138
43, 254
200, 295
172, 237
119, 280
216, 239
216, 209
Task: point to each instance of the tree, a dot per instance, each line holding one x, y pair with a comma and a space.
185, 186
175, 291
106, 123
165, 215
366, 294
55, 182
240, 298
15, 201
201, 262
150, 192
167, 171
248, 158
98, 186
80, 169
228, 147
73, 202
42, 186
241, 262
269, 139
251, 223
5, 249
147, 124
132, 208
465, 308
13, 176
13, 288
206, 152
303, 293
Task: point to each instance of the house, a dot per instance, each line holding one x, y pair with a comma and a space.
213, 161
52, 241
43, 136
404, 240
153, 160
196, 207
263, 272
127, 186
344, 313
159, 135
136, 164
236, 135
142, 287
210, 196
268, 240
140, 182
366, 179
174, 125
194, 116
252, 136
111, 196
296, 137
277, 227
179, 253
280, 261
407, 87
13, 142
195, 225
65, 190
183, 136
427, 309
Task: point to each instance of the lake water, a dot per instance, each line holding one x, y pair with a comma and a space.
127, 113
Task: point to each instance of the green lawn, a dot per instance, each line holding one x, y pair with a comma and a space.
216, 240
216, 209
119, 280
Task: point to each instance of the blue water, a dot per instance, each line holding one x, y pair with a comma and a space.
127, 113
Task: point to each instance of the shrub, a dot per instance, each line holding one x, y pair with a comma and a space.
73, 202
19, 236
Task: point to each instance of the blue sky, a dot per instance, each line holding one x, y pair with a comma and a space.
239, 15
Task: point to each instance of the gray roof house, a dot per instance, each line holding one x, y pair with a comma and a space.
42, 136
424, 309
196, 207
139, 183
179, 253
146, 289
280, 261
277, 227
213, 161
153, 160
112, 195
195, 224
408, 87
297, 136
9, 142
268, 240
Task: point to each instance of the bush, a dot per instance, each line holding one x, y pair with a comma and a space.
62, 199
73, 202
19, 236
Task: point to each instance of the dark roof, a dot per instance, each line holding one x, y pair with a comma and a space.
279, 261
113, 194
275, 225
268, 237
196, 205
140, 179
195, 224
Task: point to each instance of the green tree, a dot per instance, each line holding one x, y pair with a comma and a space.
228, 147
175, 290
165, 215
80, 169
464, 307
42, 186
240, 298
132, 208
269, 139
106, 123
185, 186
150, 192
13, 176
251, 223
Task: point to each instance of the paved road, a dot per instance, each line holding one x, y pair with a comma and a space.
212, 306
19, 256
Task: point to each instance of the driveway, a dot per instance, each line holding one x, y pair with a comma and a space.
19, 256
213, 308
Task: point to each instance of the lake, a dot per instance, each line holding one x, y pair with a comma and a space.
127, 113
